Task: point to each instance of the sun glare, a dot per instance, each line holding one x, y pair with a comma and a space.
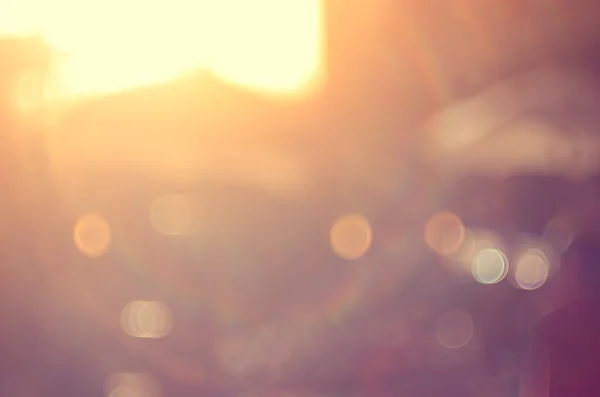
274, 46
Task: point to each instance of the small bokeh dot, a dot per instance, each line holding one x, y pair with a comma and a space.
92, 235
532, 268
444, 233
490, 266
351, 236
146, 319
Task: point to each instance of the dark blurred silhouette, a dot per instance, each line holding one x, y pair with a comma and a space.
565, 355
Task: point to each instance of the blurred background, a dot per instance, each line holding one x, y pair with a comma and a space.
255, 198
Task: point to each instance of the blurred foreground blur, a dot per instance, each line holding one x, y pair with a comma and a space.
366, 198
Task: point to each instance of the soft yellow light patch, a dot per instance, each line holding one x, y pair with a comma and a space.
113, 45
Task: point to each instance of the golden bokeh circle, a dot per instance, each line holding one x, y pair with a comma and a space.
92, 235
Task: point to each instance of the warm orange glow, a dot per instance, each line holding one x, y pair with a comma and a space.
268, 45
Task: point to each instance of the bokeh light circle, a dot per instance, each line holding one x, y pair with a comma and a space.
444, 233
351, 236
532, 269
146, 319
560, 232
490, 266
92, 235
